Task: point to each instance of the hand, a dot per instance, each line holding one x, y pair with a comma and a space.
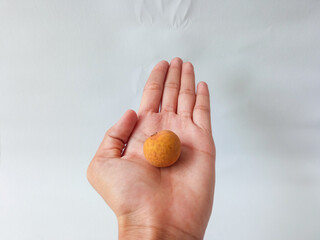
160, 203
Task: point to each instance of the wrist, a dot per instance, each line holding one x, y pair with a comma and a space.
133, 229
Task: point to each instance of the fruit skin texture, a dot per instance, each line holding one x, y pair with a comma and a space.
162, 149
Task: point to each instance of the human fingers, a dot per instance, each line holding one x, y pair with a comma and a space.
172, 86
201, 110
153, 89
187, 96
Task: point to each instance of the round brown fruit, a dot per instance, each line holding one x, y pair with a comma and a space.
162, 149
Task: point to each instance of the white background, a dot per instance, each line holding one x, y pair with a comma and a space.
70, 69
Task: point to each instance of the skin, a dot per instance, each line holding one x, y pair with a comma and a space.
160, 203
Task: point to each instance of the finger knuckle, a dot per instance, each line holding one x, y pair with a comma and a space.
187, 91
168, 108
185, 114
172, 85
153, 86
203, 94
202, 107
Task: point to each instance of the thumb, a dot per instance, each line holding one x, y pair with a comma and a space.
117, 136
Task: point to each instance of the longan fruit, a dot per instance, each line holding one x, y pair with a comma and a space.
162, 149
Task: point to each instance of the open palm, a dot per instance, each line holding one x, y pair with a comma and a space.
176, 200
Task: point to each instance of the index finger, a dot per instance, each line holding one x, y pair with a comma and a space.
153, 89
